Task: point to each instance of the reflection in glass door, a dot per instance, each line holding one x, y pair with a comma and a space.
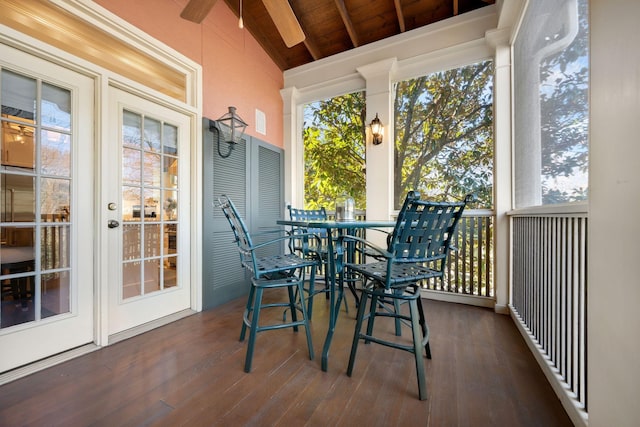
149, 205
35, 200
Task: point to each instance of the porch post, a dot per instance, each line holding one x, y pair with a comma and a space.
379, 158
499, 39
293, 148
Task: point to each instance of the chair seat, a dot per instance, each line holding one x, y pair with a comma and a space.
279, 263
402, 274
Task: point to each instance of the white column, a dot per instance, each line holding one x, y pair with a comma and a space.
499, 39
379, 158
293, 148
613, 292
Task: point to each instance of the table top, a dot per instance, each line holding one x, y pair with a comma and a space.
331, 224
15, 254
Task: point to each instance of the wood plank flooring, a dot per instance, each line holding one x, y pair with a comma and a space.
190, 373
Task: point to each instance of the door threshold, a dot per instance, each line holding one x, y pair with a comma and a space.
146, 327
34, 367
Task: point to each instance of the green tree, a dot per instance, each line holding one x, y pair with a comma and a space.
334, 151
444, 135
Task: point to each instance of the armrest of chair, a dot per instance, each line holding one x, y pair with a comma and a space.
368, 246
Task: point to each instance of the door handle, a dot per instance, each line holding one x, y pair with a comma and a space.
113, 223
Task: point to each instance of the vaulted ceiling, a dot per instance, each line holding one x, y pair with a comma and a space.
334, 26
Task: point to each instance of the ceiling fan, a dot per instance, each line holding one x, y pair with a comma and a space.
279, 10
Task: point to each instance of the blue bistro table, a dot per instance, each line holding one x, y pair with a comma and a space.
341, 227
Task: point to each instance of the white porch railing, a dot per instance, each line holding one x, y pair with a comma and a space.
548, 299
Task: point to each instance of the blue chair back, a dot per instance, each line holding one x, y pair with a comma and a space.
424, 230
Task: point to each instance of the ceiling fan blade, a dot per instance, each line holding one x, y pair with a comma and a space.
197, 10
285, 20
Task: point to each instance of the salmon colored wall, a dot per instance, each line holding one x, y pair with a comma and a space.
235, 69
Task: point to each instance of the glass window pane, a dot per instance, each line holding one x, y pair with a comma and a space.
131, 242
170, 272
151, 134
131, 166
131, 279
131, 203
18, 146
55, 292
55, 153
55, 199
56, 107
151, 204
151, 275
17, 301
18, 96
170, 139
170, 239
55, 246
152, 240
170, 172
170, 205
131, 129
18, 199
152, 171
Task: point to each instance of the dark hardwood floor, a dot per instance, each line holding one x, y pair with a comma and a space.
191, 373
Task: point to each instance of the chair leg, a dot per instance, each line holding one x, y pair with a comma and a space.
247, 312
417, 348
305, 316
396, 307
372, 315
254, 329
356, 334
292, 304
425, 330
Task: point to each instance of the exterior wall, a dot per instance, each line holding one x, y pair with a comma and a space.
614, 198
236, 71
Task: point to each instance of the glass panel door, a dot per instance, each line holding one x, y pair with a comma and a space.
46, 204
153, 248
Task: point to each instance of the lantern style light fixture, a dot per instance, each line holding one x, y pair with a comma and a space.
376, 130
231, 128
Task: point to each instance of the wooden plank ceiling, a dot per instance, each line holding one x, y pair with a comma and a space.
334, 26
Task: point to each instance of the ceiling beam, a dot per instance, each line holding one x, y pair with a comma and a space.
313, 49
347, 22
400, 15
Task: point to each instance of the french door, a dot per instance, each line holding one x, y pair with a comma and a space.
46, 209
146, 178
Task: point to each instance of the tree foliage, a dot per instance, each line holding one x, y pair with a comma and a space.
334, 151
444, 135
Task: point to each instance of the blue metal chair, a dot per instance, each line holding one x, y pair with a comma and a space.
417, 250
317, 249
270, 272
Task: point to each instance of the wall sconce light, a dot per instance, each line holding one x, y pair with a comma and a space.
376, 130
231, 129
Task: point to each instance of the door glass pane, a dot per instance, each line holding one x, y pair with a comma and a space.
151, 240
131, 279
151, 134
55, 291
56, 153
149, 205
131, 241
131, 125
55, 247
56, 107
151, 276
35, 192
18, 202
55, 199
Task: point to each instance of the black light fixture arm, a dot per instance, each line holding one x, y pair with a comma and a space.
213, 125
